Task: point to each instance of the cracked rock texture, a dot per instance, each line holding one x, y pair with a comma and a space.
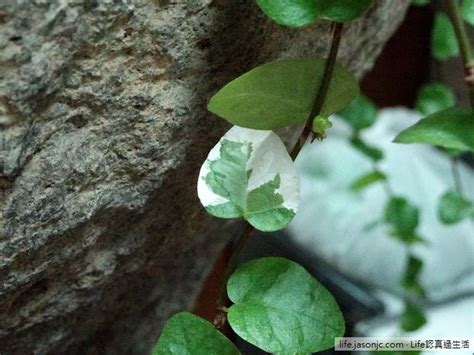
103, 129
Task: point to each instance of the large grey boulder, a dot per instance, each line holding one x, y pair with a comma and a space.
103, 128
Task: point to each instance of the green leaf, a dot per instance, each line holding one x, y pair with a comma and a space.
249, 174
433, 98
413, 318
280, 308
403, 218
411, 275
467, 11
185, 333
444, 44
452, 128
342, 10
360, 114
367, 179
453, 208
372, 152
281, 94
291, 13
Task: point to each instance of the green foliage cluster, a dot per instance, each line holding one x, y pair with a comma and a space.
444, 125
276, 304
400, 215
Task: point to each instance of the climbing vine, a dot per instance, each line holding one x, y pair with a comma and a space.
276, 304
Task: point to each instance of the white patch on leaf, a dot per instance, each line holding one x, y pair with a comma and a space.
265, 159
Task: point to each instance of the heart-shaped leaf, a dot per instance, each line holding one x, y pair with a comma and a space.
433, 98
444, 44
342, 10
291, 13
185, 333
452, 128
453, 208
281, 94
280, 308
249, 174
360, 114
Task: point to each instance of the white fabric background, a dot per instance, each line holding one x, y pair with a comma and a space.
331, 219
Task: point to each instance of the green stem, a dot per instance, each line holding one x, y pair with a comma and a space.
300, 142
456, 176
328, 70
307, 131
464, 44
467, 53
323, 89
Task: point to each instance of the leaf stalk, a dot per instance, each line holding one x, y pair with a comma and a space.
323, 89
454, 11
337, 28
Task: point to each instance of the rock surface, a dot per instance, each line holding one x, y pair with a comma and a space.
103, 129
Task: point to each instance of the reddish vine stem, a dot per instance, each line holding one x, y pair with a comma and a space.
248, 230
337, 28
464, 45
467, 54
326, 81
456, 175
322, 91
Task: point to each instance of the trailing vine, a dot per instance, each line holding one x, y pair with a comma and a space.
276, 304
